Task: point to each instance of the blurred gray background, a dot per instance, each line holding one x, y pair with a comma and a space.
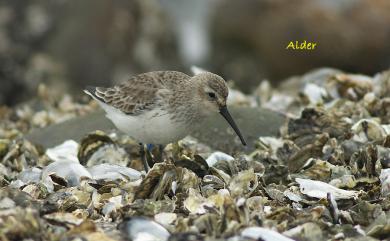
70, 44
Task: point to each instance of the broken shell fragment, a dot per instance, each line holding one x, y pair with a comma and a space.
385, 181
218, 156
64, 218
334, 210
243, 184
165, 218
195, 203
113, 172
67, 151
97, 148
70, 171
139, 228
23, 223
306, 231
258, 233
368, 130
318, 189
113, 204
198, 165
32, 175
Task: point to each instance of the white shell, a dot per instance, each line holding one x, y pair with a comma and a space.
218, 156
31, 175
112, 205
69, 170
113, 172
165, 218
142, 229
315, 93
385, 181
258, 233
318, 189
67, 151
374, 130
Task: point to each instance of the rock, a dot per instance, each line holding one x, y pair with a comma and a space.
253, 122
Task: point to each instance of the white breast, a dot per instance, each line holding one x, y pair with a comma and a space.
152, 127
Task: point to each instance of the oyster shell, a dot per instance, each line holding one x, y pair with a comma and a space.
97, 148
22, 223
63, 218
67, 151
165, 218
218, 156
385, 181
257, 233
139, 228
244, 184
320, 189
71, 172
112, 172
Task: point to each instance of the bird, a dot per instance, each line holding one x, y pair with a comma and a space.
162, 107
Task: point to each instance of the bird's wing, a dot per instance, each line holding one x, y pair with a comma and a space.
140, 93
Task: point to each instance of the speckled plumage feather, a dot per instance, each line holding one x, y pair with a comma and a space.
140, 93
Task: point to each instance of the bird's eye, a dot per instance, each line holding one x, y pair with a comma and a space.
211, 95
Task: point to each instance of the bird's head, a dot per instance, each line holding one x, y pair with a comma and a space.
212, 93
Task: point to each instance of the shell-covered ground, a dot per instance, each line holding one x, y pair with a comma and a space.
326, 176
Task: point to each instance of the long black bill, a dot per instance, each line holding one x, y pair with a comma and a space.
225, 113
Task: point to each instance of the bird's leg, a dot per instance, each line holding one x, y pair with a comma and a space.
149, 155
176, 151
160, 157
143, 158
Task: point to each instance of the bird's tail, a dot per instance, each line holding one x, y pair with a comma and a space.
91, 91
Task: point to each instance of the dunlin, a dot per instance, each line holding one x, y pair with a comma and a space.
162, 107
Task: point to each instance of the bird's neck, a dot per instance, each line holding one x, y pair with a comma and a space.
189, 106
